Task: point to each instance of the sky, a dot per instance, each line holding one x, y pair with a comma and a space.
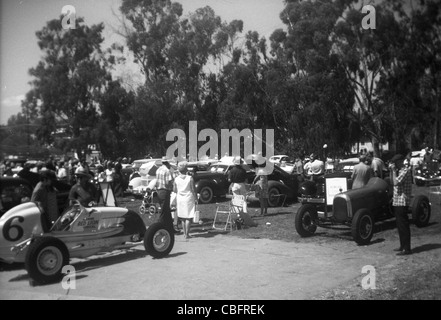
21, 19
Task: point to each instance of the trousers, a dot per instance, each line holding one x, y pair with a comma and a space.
164, 201
403, 226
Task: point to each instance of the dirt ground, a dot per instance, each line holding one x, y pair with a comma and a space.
250, 264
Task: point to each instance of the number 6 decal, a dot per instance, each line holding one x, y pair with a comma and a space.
8, 226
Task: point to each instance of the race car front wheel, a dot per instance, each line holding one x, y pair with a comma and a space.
158, 240
45, 259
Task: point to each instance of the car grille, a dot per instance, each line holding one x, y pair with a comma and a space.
340, 209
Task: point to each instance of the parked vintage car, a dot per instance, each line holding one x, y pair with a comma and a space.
13, 191
358, 208
214, 183
80, 232
428, 174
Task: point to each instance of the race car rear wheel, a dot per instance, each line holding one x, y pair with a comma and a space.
158, 240
421, 211
45, 259
305, 220
362, 227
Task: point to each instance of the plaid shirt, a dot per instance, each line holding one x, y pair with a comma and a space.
403, 188
163, 178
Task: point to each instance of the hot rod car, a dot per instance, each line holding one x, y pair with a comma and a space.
79, 232
359, 208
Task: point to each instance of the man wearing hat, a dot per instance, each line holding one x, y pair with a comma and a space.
164, 185
83, 191
45, 196
401, 178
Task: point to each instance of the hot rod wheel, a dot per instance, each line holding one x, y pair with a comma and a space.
362, 226
305, 220
45, 259
158, 240
421, 211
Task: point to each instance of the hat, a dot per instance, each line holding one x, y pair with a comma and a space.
82, 172
237, 160
397, 157
261, 172
48, 174
164, 159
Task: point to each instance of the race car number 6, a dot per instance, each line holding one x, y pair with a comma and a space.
8, 226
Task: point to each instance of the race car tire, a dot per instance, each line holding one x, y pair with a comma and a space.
45, 259
206, 195
158, 240
362, 227
273, 197
304, 221
421, 211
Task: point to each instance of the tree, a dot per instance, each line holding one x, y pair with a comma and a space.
67, 81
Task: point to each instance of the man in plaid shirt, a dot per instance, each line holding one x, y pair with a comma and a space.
164, 185
402, 182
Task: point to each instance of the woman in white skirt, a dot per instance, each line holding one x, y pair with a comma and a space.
185, 197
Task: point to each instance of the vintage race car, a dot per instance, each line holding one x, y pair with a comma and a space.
358, 208
79, 232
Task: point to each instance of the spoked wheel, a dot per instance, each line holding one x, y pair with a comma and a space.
305, 220
45, 259
158, 240
362, 227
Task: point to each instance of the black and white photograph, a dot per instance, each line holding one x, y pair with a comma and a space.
222, 155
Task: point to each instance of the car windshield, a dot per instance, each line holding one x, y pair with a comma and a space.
219, 168
66, 218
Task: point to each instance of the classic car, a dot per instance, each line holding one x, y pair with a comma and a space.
428, 174
358, 208
214, 182
79, 232
13, 191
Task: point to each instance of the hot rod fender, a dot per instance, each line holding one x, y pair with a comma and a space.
374, 196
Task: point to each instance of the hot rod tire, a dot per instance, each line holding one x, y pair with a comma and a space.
273, 197
304, 221
45, 259
158, 240
362, 227
421, 211
206, 195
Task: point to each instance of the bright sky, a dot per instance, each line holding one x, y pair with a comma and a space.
20, 19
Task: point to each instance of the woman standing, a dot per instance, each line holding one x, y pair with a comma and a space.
185, 197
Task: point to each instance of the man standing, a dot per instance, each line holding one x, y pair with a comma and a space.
314, 167
377, 165
361, 173
164, 185
238, 176
401, 178
45, 196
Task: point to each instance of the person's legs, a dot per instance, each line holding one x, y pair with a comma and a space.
187, 226
165, 215
265, 205
403, 227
